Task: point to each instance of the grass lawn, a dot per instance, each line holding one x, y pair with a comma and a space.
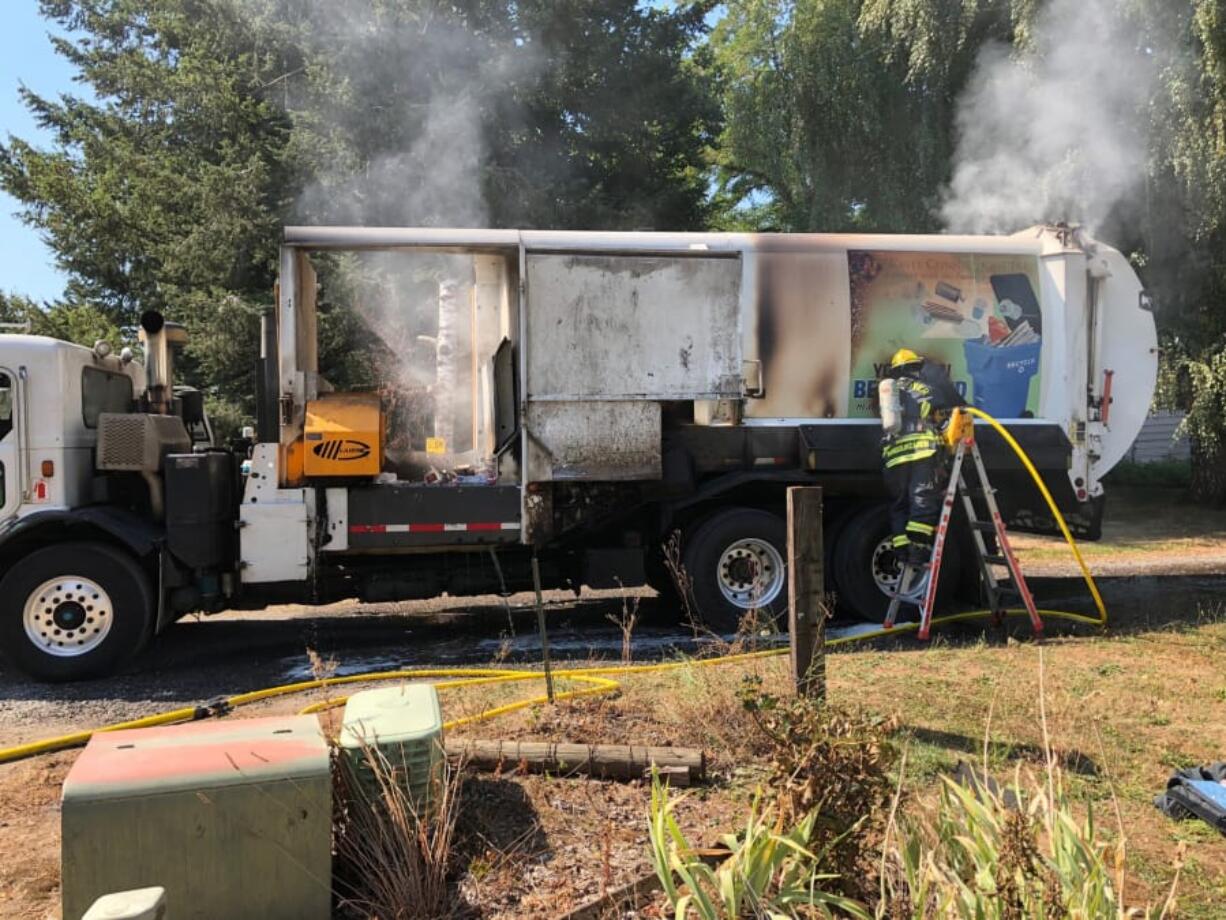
1122, 712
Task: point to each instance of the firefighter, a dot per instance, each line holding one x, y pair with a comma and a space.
920, 397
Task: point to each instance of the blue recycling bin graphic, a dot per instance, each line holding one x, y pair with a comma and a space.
1002, 376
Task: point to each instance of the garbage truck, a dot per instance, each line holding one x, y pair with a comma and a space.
620, 408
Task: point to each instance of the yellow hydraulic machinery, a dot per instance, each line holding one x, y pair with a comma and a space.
344, 435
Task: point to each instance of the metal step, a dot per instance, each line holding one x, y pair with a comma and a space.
995, 560
983, 526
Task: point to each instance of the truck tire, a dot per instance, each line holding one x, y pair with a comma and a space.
864, 569
74, 611
736, 559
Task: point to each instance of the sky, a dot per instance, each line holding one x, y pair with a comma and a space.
26, 56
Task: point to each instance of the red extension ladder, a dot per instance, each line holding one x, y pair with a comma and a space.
999, 590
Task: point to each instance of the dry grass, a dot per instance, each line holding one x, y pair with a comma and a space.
1139, 524
1122, 713
393, 857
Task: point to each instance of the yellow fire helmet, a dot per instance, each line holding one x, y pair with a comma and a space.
903, 357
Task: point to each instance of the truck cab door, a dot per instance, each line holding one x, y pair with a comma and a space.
10, 448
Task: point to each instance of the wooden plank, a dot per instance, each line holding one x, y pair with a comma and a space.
682, 766
633, 897
806, 590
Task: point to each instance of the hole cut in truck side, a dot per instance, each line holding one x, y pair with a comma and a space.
586, 398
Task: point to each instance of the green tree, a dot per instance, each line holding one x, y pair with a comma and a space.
839, 113
1182, 245
218, 121
78, 323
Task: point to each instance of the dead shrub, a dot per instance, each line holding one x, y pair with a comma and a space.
832, 762
683, 582
393, 859
626, 621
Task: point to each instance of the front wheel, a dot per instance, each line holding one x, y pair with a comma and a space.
735, 560
74, 611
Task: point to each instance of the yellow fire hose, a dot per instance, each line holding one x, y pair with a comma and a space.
595, 681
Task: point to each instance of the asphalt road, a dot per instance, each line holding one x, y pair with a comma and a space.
205, 657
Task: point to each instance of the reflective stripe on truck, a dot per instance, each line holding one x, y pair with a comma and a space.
434, 528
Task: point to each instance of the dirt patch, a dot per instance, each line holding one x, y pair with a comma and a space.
30, 838
1122, 712
1145, 532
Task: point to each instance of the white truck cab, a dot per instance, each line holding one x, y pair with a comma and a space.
51, 395
77, 561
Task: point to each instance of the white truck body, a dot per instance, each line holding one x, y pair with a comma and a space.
619, 388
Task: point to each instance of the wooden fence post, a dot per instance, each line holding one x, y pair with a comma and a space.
806, 591
540, 625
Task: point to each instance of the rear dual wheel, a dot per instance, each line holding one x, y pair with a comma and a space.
736, 561
867, 568
74, 611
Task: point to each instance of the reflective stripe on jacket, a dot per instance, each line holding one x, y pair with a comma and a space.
910, 447
919, 439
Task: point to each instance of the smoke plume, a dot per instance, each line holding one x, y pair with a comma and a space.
1057, 131
409, 95
393, 109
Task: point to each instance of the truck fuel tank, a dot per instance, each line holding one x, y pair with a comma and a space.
201, 508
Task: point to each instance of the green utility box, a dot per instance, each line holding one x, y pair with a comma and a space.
233, 818
141, 904
405, 725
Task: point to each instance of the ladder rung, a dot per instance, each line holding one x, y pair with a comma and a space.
979, 492
984, 526
996, 560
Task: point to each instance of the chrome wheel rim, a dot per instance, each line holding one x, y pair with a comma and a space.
751, 573
68, 616
887, 570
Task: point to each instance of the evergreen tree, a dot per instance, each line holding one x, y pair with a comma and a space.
219, 121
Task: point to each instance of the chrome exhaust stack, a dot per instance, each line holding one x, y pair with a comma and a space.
159, 338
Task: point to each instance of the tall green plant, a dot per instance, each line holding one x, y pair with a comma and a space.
769, 872
1196, 385
1030, 858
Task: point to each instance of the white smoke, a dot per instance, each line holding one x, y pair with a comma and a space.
416, 91
1056, 132
392, 105
392, 114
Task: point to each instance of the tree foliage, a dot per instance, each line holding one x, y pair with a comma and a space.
210, 124
839, 113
